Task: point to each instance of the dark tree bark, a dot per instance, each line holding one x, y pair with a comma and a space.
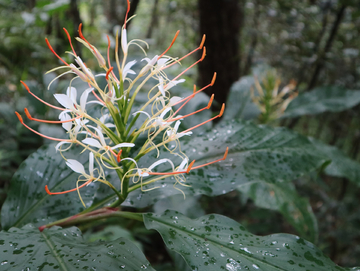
154, 20
112, 11
254, 40
76, 21
221, 21
321, 61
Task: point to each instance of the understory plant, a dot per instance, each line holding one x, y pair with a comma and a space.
128, 143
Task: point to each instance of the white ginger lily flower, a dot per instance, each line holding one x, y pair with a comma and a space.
69, 101
127, 69
145, 172
79, 123
173, 134
101, 145
77, 167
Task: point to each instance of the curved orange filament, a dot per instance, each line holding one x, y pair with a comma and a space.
193, 113
108, 58
218, 116
83, 38
108, 72
196, 92
185, 56
50, 105
69, 38
171, 44
64, 192
97, 97
36, 132
218, 160
52, 50
188, 68
127, 12
27, 113
174, 172
118, 158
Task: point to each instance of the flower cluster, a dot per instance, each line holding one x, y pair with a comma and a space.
110, 138
272, 102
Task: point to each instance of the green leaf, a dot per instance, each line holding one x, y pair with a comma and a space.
283, 198
27, 200
215, 242
64, 249
239, 103
256, 153
341, 165
319, 100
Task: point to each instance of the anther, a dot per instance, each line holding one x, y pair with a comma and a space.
108, 72
202, 42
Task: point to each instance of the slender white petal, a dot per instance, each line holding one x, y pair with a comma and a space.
71, 93
183, 164
161, 86
124, 44
174, 100
159, 162
148, 66
92, 142
75, 166
161, 62
84, 97
57, 147
122, 145
174, 83
66, 125
91, 163
65, 101
162, 115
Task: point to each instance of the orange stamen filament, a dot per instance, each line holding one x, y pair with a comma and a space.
52, 50
174, 172
193, 113
185, 56
36, 132
171, 44
108, 72
50, 105
218, 160
83, 38
69, 38
218, 116
64, 192
97, 97
127, 12
201, 59
48, 121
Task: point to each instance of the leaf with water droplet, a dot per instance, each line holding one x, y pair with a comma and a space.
229, 246
65, 249
322, 99
282, 197
341, 165
256, 153
27, 200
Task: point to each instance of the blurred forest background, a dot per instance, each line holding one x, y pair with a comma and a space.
314, 42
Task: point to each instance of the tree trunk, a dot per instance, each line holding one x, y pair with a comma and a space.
221, 21
322, 58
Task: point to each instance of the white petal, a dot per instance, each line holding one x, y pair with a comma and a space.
124, 44
122, 145
161, 62
174, 83
161, 86
143, 113
75, 166
57, 147
91, 163
92, 142
179, 135
183, 164
65, 101
71, 93
84, 97
174, 100
150, 64
159, 162
177, 124
162, 115
66, 125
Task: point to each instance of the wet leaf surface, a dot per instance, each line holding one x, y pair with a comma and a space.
27, 200
322, 99
283, 198
215, 242
256, 153
65, 249
341, 165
